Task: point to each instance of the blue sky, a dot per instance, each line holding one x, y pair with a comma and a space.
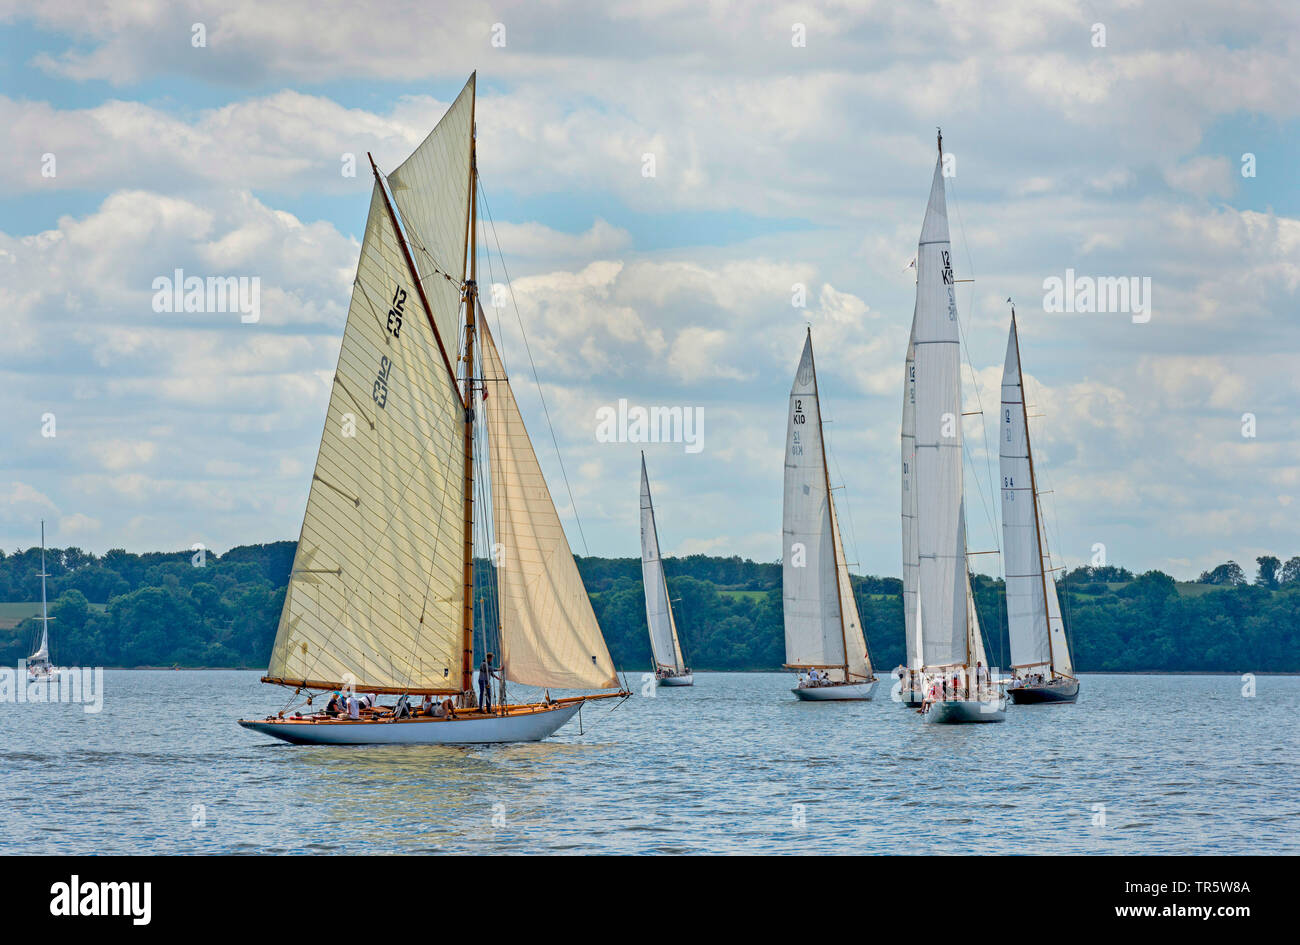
775, 164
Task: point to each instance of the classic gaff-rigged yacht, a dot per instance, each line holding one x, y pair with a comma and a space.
38, 664
949, 647
380, 598
823, 632
670, 668
1040, 652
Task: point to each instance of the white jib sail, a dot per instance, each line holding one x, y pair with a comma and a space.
911, 563
549, 634
941, 546
855, 639
658, 608
814, 635
374, 598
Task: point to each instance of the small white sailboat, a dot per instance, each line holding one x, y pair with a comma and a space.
953, 669
823, 631
38, 664
1040, 653
381, 594
670, 667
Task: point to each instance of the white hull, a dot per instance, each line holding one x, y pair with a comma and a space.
837, 692
958, 711
687, 680
521, 727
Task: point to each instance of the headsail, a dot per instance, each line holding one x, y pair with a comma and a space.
658, 608
1033, 611
855, 640
549, 634
813, 633
941, 543
431, 189
374, 598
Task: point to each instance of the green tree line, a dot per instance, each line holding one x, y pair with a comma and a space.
176, 608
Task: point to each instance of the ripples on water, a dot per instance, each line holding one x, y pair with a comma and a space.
1183, 764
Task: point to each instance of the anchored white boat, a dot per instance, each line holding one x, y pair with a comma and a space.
38, 664
823, 631
670, 667
381, 595
945, 645
1040, 652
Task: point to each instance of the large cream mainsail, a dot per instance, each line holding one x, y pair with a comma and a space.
431, 189
664, 644
374, 598
549, 634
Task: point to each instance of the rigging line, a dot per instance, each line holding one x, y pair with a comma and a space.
536, 380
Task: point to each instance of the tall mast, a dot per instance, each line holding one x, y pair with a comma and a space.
830, 507
1033, 489
471, 303
45, 615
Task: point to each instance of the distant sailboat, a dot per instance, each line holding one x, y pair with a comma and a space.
38, 664
823, 632
381, 595
949, 648
1040, 653
670, 668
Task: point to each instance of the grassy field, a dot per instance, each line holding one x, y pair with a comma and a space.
12, 613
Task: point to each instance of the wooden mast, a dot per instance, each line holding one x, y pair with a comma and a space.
1033, 490
830, 508
471, 302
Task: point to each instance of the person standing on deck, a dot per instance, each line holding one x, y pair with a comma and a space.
485, 674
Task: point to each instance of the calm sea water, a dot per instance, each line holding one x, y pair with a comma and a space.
1182, 764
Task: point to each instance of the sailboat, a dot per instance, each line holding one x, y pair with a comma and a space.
1040, 653
38, 664
670, 668
949, 646
381, 595
823, 631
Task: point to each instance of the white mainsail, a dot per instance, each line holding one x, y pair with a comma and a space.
822, 626
374, 598
549, 634
658, 608
1034, 622
911, 563
42, 655
941, 540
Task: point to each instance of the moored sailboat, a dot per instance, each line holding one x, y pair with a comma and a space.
949, 646
823, 631
670, 667
1040, 652
381, 594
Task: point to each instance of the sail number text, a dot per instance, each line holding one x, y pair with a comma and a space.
396, 312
